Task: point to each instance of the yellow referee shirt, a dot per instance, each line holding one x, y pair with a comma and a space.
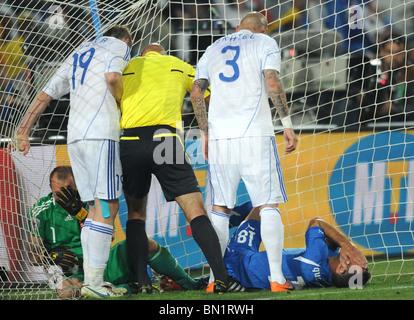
154, 90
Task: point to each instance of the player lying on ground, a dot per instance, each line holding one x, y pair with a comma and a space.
329, 259
56, 221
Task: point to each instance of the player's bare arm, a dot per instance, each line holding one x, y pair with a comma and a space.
21, 142
200, 112
349, 252
115, 85
199, 105
278, 96
276, 92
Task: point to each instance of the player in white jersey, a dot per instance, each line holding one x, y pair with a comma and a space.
239, 143
92, 74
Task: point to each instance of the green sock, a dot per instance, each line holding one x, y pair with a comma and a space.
163, 262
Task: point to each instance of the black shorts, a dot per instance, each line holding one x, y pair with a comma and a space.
157, 150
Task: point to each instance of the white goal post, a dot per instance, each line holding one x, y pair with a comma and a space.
347, 71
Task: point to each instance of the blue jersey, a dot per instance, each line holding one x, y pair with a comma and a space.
308, 266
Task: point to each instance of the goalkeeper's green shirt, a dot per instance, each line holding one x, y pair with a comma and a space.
55, 226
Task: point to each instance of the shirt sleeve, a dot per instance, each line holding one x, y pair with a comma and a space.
316, 248
190, 77
202, 69
36, 221
270, 55
190, 81
118, 57
59, 85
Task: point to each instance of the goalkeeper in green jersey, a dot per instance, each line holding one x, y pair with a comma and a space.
52, 226
56, 221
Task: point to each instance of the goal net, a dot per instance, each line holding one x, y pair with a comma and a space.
348, 75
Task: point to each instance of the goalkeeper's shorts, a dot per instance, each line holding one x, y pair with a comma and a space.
157, 150
97, 169
255, 160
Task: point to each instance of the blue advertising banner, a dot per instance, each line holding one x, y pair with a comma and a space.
371, 192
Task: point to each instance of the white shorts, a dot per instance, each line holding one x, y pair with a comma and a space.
97, 169
255, 160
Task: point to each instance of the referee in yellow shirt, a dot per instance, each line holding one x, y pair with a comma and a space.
154, 88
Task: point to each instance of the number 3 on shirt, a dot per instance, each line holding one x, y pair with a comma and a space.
84, 64
232, 63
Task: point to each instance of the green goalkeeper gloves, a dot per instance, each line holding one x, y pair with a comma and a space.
70, 201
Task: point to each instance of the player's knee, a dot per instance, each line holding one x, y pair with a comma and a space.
109, 208
152, 247
192, 205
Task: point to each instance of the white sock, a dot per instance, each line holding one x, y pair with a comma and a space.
99, 245
84, 241
220, 222
272, 232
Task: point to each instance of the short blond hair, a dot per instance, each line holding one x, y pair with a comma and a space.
254, 21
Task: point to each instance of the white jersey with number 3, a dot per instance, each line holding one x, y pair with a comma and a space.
93, 110
234, 66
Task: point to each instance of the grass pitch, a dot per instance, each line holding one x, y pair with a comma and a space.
397, 285
376, 289
392, 287
378, 296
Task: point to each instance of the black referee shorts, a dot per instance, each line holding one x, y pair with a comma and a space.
157, 150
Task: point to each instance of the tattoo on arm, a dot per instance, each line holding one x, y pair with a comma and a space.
276, 92
202, 84
199, 105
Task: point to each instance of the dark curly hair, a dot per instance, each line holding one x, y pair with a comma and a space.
119, 32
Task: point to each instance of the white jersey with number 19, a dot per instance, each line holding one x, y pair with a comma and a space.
93, 111
234, 66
